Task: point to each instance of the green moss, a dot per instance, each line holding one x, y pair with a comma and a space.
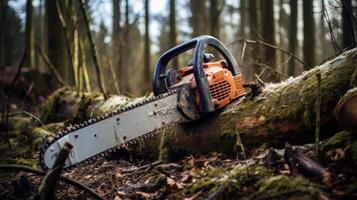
338, 140
284, 187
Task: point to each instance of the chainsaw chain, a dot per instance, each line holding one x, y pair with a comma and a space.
71, 128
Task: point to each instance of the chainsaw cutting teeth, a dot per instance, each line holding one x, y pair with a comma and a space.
71, 128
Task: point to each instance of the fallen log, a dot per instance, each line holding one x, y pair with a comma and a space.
283, 112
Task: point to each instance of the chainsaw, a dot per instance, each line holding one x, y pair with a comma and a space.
180, 96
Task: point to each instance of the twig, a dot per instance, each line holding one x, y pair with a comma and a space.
270, 69
318, 111
125, 171
10, 167
306, 67
243, 53
51, 66
33, 116
93, 49
49, 183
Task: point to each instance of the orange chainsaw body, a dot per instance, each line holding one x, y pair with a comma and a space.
224, 87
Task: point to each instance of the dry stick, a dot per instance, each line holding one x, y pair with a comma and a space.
9, 167
306, 67
49, 183
243, 53
318, 111
93, 48
51, 66
84, 66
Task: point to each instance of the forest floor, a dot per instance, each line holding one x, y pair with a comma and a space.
262, 173
265, 174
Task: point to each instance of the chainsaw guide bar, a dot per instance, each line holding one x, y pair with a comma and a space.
105, 134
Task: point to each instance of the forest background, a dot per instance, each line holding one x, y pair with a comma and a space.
52, 40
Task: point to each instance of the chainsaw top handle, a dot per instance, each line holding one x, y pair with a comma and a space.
199, 44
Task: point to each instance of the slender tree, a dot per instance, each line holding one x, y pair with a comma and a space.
198, 17
2, 24
243, 12
254, 25
268, 34
309, 33
147, 51
116, 43
30, 52
347, 24
293, 34
57, 52
173, 33
92, 47
215, 11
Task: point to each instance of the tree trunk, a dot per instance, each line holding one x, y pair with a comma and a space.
268, 34
309, 33
198, 18
283, 112
254, 24
243, 12
147, 51
173, 33
93, 48
2, 25
56, 40
293, 34
30, 43
347, 24
116, 42
215, 12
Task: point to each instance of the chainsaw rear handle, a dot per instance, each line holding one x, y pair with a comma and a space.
199, 43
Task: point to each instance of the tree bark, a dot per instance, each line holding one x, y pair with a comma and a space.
283, 112
293, 34
347, 24
198, 17
309, 33
116, 43
215, 12
30, 45
56, 40
173, 32
268, 34
147, 51
93, 48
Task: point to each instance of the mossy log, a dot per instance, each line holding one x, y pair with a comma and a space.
283, 112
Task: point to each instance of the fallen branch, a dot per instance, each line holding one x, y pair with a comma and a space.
49, 183
11, 167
